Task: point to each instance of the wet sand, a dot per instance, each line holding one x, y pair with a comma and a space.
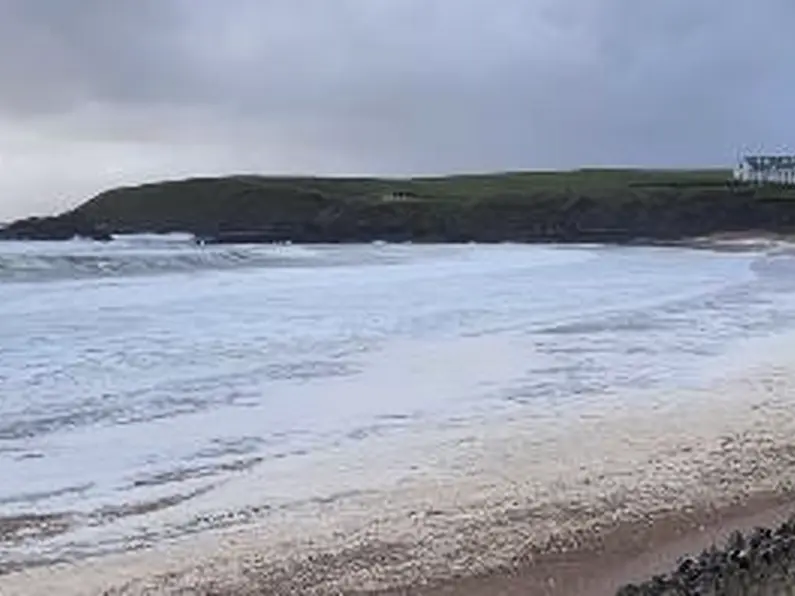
628, 554
518, 506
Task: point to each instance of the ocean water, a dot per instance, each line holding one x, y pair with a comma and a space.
149, 378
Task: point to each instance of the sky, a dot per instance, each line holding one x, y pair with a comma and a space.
99, 93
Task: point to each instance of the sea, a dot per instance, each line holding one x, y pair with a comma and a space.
152, 388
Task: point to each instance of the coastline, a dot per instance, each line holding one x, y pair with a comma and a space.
746, 241
630, 553
503, 507
613, 206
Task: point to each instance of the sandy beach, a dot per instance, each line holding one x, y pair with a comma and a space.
397, 298
596, 501
629, 553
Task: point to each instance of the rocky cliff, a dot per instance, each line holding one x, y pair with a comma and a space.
582, 206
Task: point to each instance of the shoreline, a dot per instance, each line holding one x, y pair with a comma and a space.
632, 479
505, 511
631, 553
747, 241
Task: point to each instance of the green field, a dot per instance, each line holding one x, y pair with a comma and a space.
581, 181
492, 185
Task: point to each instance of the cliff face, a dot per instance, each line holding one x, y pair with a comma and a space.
600, 206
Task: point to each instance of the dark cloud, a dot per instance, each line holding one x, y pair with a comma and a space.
135, 89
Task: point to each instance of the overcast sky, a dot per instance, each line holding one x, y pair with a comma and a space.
94, 93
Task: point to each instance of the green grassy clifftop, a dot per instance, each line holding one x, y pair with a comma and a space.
581, 205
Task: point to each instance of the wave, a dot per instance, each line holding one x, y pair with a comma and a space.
138, 255
150, 254
778, 266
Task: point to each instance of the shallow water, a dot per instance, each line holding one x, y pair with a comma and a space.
149, 375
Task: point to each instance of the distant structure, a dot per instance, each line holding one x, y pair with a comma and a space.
766, 169
398, 196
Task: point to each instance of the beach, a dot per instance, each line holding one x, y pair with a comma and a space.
618, 486
554, 496
397, 298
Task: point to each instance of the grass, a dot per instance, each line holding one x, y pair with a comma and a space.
489, 185
508, 205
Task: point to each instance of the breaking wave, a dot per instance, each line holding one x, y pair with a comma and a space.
152, 254
138, 255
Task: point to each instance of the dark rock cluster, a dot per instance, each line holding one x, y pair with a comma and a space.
759, 563
64, 227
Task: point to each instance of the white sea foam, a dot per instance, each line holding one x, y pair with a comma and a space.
401, 394
470, 496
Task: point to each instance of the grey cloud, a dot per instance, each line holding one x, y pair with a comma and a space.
396, 86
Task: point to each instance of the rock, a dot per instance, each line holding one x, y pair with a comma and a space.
688, 568
64, 227
736, 541
740, 558
762, 562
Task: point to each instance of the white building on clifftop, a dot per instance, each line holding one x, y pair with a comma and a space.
766, 169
